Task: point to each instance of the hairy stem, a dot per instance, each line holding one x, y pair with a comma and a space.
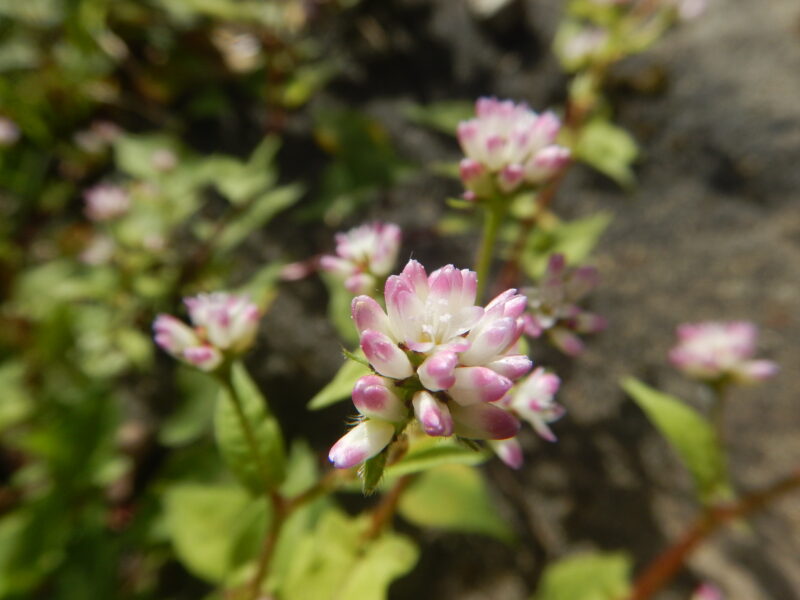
385, 510
667, 565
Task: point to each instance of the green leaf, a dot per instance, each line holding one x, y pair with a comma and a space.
690, 435
609, 149
269, 466
593, 576
240, 181
206, 525
574, 239
442, 116
426, 453
456, 498
333, 562
134, 153
301, 469
341, 386
17, 403
387, 558
257, 215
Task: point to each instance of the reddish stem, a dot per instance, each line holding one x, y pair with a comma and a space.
667, 565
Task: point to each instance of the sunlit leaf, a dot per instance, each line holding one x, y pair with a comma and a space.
690, 435
586, 577
609, 149
574, 239
456, 498
332, 562
202, 521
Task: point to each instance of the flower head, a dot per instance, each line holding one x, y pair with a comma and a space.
364, 255
105, 202
223, 325
440, 361
508, 146
553, 305
715, 351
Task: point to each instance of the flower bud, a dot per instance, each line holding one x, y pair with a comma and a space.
432, 414
373, 397
361, 443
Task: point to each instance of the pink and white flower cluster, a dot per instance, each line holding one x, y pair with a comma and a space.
364, 255
224, 325
532, 400
553, 306
440, 360
715, 351
105, 202
508, 146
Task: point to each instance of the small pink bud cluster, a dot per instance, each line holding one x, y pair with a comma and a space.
440, 361
714, 351
533, 400
508, 146
707, 591
584, 46
105, 202
364, 255
98, 137
223, 325
9, 132
553, 306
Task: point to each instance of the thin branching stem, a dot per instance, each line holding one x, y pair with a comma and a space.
669, 563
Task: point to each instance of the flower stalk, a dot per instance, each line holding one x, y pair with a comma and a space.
496, 210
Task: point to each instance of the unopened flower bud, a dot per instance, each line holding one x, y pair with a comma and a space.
361, 443
373, 397
432, 414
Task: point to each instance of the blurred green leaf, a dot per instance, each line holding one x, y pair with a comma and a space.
574, 239
269, 468
442, 116
332, 562
427, 453
137, 155
17, 403
257, 214
203, 523
609, 149
341, 386
586, 577
690, 435
240, 181
453, 497
302, 470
